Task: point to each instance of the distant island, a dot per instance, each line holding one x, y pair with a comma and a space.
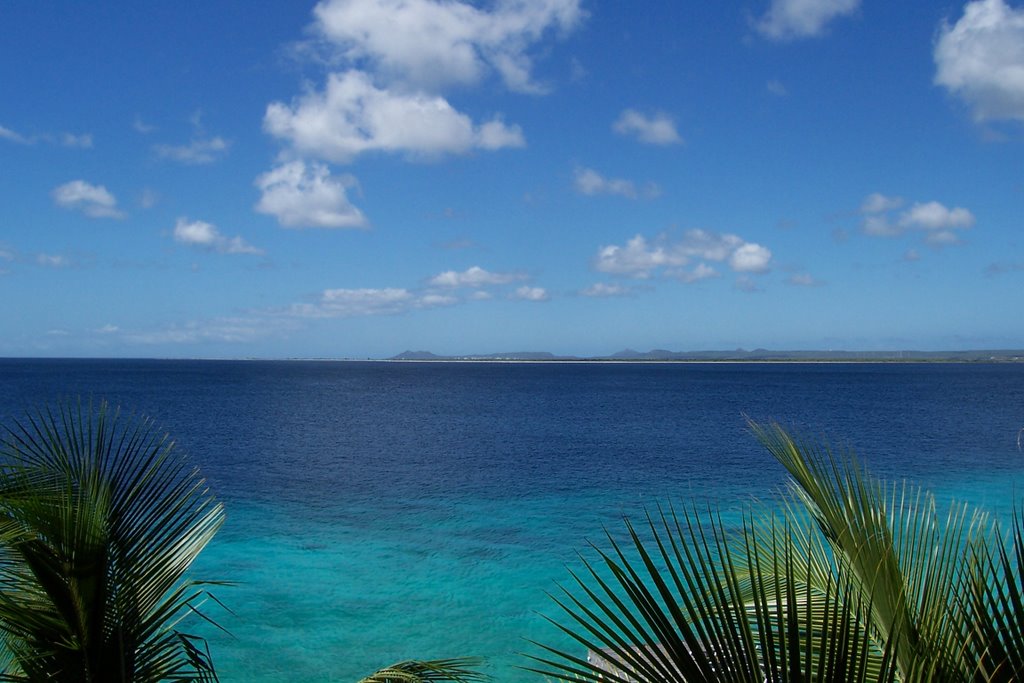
740, 355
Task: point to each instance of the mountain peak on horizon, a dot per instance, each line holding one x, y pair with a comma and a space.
416, 355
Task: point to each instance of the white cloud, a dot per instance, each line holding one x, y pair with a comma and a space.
302, 195
365, 301
205, 236
701, 271
745, 283
941, 238
589, 182
94, 201
494, 134
433, 44
603, 289
83, 141
981, 59
1001, 267
876, 202
750, 258
52, 260
198, 151
141, 126
777, 88
803, 280
353, 116
347, 303
527, 293
217, 330
108, 329
791, 19
342, 302
637, 258
935, 216
394, 61
12, 136
434, 300
473, 277
40, 259
656, 129
148, 198
879, 226
938, 222
195, 232
640, 259
457, 242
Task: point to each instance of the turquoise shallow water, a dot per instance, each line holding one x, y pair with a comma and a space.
381, 511
471, 583
328, 602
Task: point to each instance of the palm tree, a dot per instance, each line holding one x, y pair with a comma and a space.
851, 579
100, 520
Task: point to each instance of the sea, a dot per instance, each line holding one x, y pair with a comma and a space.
382, 511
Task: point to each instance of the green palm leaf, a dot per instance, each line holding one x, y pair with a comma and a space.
683, 604
852, 579
894, 546
100, 520
994, 599
460, 670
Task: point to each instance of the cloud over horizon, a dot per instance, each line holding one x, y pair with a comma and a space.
221, 330
474, 276
528, 293
604, 289
938, 223
685, 259
347, 303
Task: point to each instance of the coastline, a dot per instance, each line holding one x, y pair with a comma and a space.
628, 356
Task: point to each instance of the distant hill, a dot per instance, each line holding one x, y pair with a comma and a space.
510, 355
808, 356
757, 355
520, 355
417, 355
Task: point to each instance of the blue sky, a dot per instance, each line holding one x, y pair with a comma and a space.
353, 178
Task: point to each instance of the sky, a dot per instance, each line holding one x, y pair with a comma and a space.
356, 178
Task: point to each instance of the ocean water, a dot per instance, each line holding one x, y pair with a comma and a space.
383, 511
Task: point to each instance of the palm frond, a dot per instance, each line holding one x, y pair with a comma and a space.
894, 546
100, 520
690, 602
851, 579
458, 670
993, 596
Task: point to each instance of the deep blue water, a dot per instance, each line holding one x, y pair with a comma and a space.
380, 511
